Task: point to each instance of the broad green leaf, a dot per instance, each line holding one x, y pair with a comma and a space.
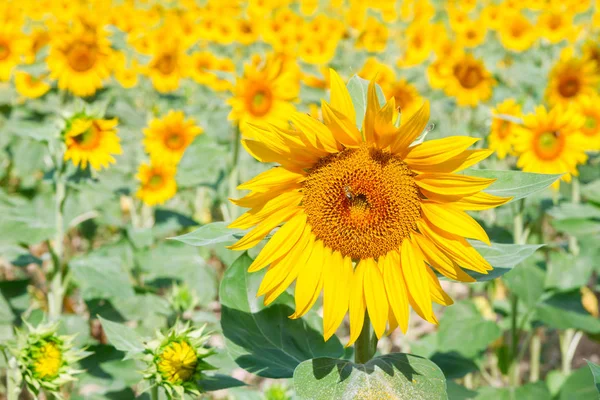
574, 211
566, 271
393, 376
564, 311
263, 340
580, 227
579, 385
465, 331
530, 391
591, 191
595, 368
127, 371
6, 314
459, 392
554, 380
358, 88
453, 364
101, 277
216, 232
122, 337
503, 257
527, 282
218, 382
514, 184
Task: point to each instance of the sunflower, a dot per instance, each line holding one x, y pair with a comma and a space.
550, 142
126, 75
381, 73
92, 141
406, 97
80, 60
570, 79
591, 52
167, 138
157, 183
516, 32
589, 107
502, 131
12, 46
472, 35
264, 93
470, 82
168, 66
417, 46
30, 86
557, 25
365, 215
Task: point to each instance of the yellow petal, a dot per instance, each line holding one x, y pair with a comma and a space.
440, 261
310, 280
462, 161
480, 201
450, 187
415, 276
410, 130
371, 112
343, 129
396, 289
257, 200
437, 293
357, 304
255, 216
433, 152
385, 131
257, 234
375, 298
281, 243
340, 97
453, 220
318, 134
337, 275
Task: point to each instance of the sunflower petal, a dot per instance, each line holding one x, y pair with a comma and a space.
310, 281
462, 161
433, 152
340, 97
410, 131
480, 201
395, 288
337, 276
271, 179
437, 259
415, 276
318, 134
375, 298
437, 293
454, 221
343, 129
357, 304
257, 234
255, 216
449, 187
371, 112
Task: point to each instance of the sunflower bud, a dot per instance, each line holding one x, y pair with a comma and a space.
46, 360
176, 360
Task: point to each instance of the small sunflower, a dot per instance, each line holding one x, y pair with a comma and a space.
502, 132
570, 79
591, 52
365, 215
30, 86
406, 96
168, 66
516, 32
589, 108
550, 142
264, 93
12, 47
91, 140
470, 82
167, 138
472, 35
157, 183
417, 45
557, 25
126, 75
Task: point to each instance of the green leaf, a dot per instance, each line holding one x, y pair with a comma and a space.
216, 232
459, 392
596, 372
566, 271
218, 382
503, 257
453, 364
263, 340
579, 385
122, 337
514, 184
393, 376
527, 282
564, 311
530, 391
591, 191
459, 322
579, 227
358, 88
101, 277
574, 211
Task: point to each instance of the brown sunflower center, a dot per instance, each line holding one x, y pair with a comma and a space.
259, 100
166, 63
81, 57
503, 129
403, 97
4, 50
88, 139
569, 86
549, 144
555, 22
155, 181
518, 28
469, 76
361, 202
174, 140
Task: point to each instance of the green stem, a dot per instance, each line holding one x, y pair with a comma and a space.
57, 291
535, 350
234, 174
575, 199
154, 393
366, 344
569, 340
13, 379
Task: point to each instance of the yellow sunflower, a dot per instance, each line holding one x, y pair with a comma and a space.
168, 66
12, 47
364, 216
30, 86
92, 141
157, 183
470, 82
516, 32
472, 34
406, 97
551, 142
167, 138
126, 75
80, 60
502, 131
570, 79
264, 93
557, 25
591, 51
589, 107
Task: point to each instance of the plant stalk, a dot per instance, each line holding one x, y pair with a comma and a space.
154, 392
57, 290
366, 344
234, 174
535, 350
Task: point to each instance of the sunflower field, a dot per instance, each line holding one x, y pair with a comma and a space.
299, 199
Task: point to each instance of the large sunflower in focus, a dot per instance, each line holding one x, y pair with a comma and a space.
570, 79
550, 142
366, 217
264, 93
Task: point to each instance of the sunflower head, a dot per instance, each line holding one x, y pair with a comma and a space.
502, 130
157, 183
589, 108
176, 360
46, 359
470, 82
365, 212
30, 86
167, 138
570, 79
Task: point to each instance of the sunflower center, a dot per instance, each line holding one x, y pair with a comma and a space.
555, 22
591, 125
569, 86
166, 64
361, 202
47, 360
81, 57
469, 76
155, 182
259, 100
88, 139
503, 129
177, 363
518, 28
4, 50
174, 141
549, 145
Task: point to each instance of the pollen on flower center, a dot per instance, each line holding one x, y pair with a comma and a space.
362, 202
177, 363
569, 87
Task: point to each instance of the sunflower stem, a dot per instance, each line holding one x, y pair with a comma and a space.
535, 350
366, 344
154, 393
57, 291
234, 171
13, 379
